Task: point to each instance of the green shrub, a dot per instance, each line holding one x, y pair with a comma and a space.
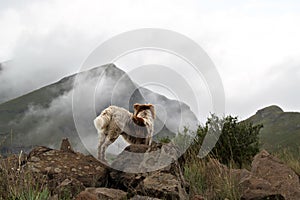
164, 140
237, 144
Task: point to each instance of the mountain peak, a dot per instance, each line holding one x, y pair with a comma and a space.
270, 110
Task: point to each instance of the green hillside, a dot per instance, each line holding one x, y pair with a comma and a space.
29, 120
45, 116
281, 129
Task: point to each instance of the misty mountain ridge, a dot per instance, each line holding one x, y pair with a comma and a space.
44, 116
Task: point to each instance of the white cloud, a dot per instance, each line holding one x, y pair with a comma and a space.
245, 39
10, 32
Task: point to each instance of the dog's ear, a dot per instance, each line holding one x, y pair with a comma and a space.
152, 110
151, 107
136, 108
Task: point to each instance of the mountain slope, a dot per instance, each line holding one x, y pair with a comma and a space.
281, 129
45, 116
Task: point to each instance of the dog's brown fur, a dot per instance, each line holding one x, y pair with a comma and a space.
136, 128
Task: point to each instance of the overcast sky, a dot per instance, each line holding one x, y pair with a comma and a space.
254, 44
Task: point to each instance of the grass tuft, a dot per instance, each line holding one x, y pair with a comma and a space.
17, 183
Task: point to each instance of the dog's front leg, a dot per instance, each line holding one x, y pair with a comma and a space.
149, 140
149, 135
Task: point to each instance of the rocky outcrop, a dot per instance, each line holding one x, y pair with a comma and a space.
282, 179
146, 173
59, 165
139, 176
268, 178
67, 172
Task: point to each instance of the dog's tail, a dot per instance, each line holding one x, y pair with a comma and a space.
103, 120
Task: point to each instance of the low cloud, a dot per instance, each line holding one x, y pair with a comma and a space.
47, 125
47, 40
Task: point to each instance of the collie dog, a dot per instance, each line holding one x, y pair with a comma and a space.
136, 128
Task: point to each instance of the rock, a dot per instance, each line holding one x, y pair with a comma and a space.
69, 188
240, 173
67, 172
254, 183
162, 185
84, 195
66, 146
269, 178
60, 165
54, 197
138, 197
198, 197
142, 158
260, 195
70, 173
166, 181
282, 178
102, 194
254, 188
130, 158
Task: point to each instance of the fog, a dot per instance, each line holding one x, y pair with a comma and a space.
253, 44
72, 113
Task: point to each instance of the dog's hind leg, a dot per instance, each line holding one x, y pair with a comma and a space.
104, 146
104, 142
101, 149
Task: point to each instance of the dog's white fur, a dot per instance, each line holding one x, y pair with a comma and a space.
136, 128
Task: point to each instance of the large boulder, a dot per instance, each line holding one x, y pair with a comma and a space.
150, 171
67, 171
62, 165
254, 188
162, 185
269, 178
139, 158
102, 194
282, 178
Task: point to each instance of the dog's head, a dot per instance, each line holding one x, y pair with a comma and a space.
143, 110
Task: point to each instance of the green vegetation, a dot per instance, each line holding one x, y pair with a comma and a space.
18, 184
291, 158
164, 140
281, 129
238, 142
211, 181
237, 145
